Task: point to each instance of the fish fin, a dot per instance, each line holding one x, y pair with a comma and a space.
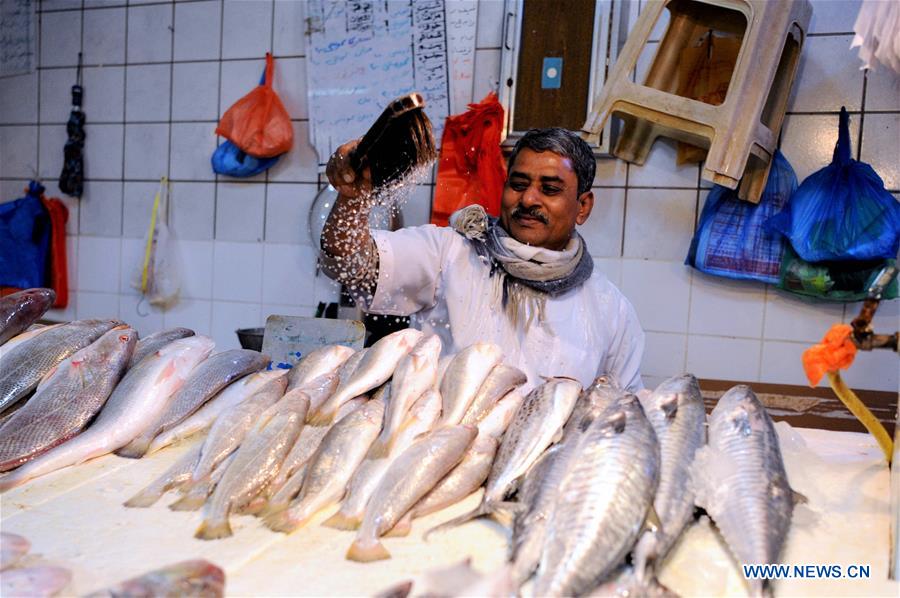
380, 449
618, 421
402, 528
669, 406
281, 521
480, 511
320, 418
273, 508
400, 590
167, 372
213, 531
798, 497
366, 553
136, 448
254, 507
188, 502
652, 521
557, 437
142, 500
343, 522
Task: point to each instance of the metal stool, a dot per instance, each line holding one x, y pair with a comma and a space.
741, 133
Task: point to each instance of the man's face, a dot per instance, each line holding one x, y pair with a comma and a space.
540, 204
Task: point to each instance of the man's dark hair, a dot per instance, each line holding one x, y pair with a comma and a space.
565, 143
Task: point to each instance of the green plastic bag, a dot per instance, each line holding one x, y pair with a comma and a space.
832, 281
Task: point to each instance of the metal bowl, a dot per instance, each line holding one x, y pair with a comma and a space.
251, 338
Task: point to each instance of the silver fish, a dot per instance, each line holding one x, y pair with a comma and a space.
140, 397
499, 382
29, 334
196, 494
68, 399
255, 462
23, 367
373, 370
739, 478
20, 310
156, 341
204, 382
676, 412
342, 450
231, 395
177, 474
443, 363
197, 578
324, 360
463, 378
603, 502
12, 548
318, 389
410, 477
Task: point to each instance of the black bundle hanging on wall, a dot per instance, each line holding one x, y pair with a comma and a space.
71, 180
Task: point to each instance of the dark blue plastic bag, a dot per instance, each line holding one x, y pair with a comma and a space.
24, 240
842, 212
730, 240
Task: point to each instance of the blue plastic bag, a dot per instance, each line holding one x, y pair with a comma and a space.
24, 240
230, 160
730, 240
842, 212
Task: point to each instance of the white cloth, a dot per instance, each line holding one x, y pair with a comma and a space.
433, 275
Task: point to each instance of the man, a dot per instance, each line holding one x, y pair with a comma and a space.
524, 281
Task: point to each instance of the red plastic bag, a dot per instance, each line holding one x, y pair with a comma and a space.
471, 169
258, 122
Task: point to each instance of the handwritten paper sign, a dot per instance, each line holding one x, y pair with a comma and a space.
461, 22
363, 54
16, 37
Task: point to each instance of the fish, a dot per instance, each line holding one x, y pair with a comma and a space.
287, 482
207, 379
195, 577
460, 579
422, 417
373, 370
415, 373
624, 584
24, 366
443, 364
410, 477
324, 360
156, 341
29, 334
740, 480
463, 378
12, 548
602, 503
320, 388
20, 310
329, 470
177, 474
500, 381
233, 394
68, 399
254, 464
537, 424
141, 395
196, 494
35, 582
676, 411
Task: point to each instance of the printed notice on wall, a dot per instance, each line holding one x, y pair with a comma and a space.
363, 54
16, 37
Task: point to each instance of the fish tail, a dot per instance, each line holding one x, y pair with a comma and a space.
321, 417
380, 448
402, 528
209, 530
344, 522
254, 507
189, 502
136, 448
365, 552
143, 499
281, 521
480, 511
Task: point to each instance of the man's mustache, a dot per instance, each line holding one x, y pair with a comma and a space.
533, 212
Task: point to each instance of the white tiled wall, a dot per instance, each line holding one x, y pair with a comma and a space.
159, 74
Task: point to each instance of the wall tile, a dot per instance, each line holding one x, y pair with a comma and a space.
133, 251
148, 93
98, 264
105, 3
56, 95
12, 189
60, 38
487, 74
326, 290
807, 141
73, 205
489, 28
247, 29
883, 90
300, 164
190, 313
659, 223
303, 311
104, 100
104, 36
237, 271
611, 267
240, 211
48, 5
146, 149
603, 230
238, 79
195, 259
725, 307
881, 147
416, 210
18, 152
874, 370
229, 316
195, 91
721, 358
52, 140
137, 204
290, 85
664, 354
611, 172
101, 209
660, 171
833, 16
96, 305
289, 36
644, 282
150, 33
288, 272
287, 213
781, 363
791, 318
193, 145
192, 211
140, 315
19, 99
828, 76
197, 30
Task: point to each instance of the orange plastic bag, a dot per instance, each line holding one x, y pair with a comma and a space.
836, 351
258, 123
471, 169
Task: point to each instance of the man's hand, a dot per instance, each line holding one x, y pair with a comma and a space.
340, 173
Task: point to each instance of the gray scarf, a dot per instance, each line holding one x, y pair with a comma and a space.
524, 275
